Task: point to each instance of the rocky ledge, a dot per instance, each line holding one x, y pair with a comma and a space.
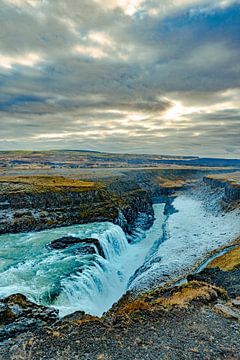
230, 184
43, 202
197, 320
84, 246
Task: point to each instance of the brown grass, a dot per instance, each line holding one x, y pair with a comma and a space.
53, 183
162, 299
232, 178
173, 183
134, 306
186, 294
227, 262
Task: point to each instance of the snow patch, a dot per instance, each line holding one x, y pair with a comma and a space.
193, 232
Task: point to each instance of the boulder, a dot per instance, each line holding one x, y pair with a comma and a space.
86, 245
17, 315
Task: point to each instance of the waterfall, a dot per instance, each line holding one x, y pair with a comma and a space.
100, 283
68, 278
121, 220
113, 242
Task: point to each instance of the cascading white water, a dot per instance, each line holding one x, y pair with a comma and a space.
101, 282
66, 278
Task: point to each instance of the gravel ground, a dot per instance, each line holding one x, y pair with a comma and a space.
197, 332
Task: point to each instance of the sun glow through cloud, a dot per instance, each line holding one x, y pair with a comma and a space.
130, 7
91, 51
127, 75
30, 59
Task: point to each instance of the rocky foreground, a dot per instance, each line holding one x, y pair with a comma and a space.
197, 320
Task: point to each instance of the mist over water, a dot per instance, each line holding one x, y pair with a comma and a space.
67, 279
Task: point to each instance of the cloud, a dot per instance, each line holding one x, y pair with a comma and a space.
29, 59
145, 76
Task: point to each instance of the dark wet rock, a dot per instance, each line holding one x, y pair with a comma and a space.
14, 329
188, 322
169, 209
230, 191
22, 306
229, 280
86, 245
28, 211
7, 315
17, 315
135, 203
78, 317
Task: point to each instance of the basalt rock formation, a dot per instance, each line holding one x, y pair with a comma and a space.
31, 204
231, 189
87, 245
192, 321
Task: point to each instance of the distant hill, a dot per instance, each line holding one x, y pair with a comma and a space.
89, 159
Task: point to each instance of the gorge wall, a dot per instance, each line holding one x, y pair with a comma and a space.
38, 209
33, 203
229, 185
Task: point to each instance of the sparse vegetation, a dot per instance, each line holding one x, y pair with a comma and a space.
165, 299
45, 183
227, 262
231, 178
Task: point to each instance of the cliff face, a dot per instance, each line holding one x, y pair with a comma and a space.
231, 189
38, 209
34, 211
232, 192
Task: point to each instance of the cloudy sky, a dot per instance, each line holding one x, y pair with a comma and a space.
144, 76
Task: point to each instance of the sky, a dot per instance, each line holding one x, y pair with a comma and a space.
136, 76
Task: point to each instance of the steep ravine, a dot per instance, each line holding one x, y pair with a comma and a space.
178, 239
191, 232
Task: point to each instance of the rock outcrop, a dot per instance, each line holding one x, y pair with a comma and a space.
86, 245
223, 271
231, 189
19, 315
38, 207
154, 324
